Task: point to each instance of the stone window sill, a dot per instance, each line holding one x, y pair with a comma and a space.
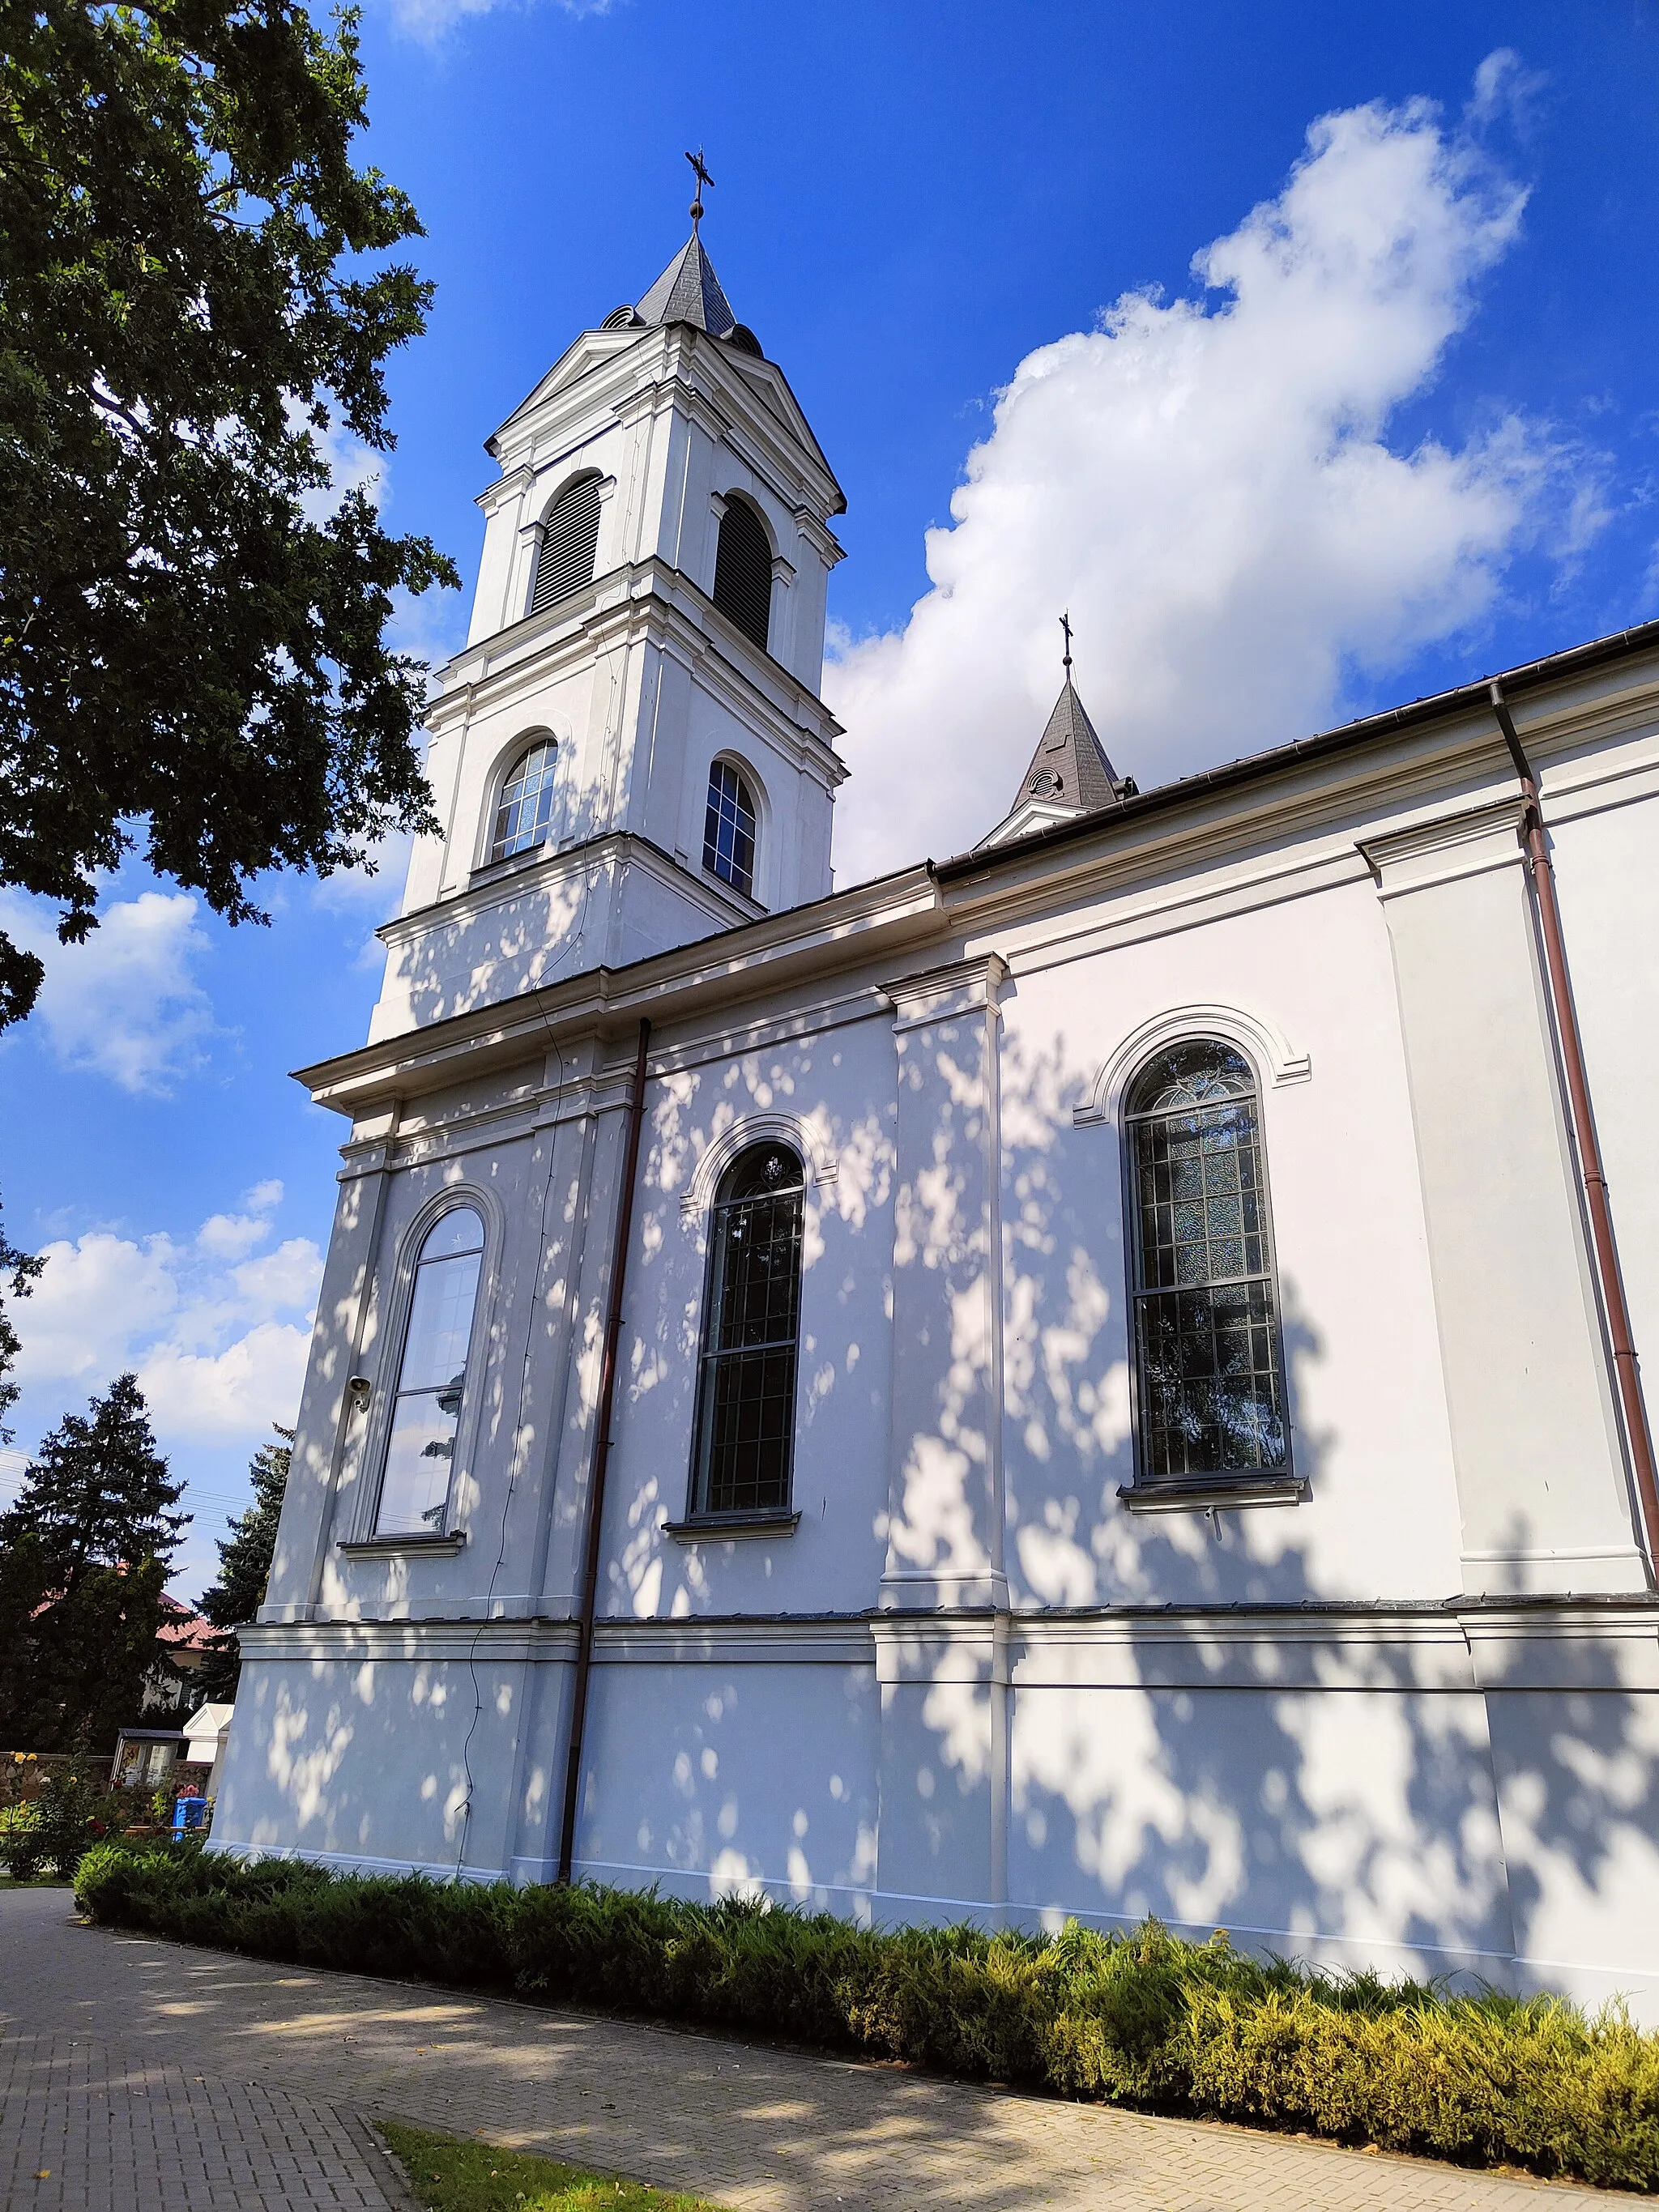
496, 871
718, 1528
387, 1547
1220, 1493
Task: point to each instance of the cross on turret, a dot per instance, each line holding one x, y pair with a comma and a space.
702, 174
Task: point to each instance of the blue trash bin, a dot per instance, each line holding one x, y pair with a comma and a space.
188, 1812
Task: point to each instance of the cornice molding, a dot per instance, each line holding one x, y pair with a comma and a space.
1467, 842
617, 848
943, 994
756, 961
643, 607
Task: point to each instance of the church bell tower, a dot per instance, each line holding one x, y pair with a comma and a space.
631, 752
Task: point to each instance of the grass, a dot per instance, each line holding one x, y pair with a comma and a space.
449, 2175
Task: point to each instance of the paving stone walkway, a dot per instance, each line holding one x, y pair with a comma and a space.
85, 2127
271, 2072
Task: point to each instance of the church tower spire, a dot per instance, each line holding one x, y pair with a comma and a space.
630, 751
1069, 773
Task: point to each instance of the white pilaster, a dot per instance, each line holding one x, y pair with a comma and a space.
944, 1470
1541, 1475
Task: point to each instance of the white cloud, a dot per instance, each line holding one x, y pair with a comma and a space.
217, 1339
1206, 484
430, 19
432, 626
352, 466
125, 1003
236, 1393
1505, 91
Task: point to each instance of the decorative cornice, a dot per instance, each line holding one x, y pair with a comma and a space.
494, 888
706, 976
506, 487
640, 602
1469, 841
943, 994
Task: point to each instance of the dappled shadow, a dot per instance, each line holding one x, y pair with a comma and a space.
977, 1677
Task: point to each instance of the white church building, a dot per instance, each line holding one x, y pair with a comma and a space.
1094, 1378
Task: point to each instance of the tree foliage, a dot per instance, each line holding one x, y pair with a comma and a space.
83, 1562
245, 1558
192, 656
18, 1270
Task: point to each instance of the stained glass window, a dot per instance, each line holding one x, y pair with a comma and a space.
746, 1390
728, 830
1209, 1371
525, 812
426, 1412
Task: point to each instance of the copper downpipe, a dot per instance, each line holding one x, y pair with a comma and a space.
602, 1460
1606, 1251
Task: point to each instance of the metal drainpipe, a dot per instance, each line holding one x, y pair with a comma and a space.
1606, 1250
602, 1459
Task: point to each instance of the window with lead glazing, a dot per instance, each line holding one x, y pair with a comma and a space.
524, 813
1210, 1394
752, 1320
426, 1412
728, 830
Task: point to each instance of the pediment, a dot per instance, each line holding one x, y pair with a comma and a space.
589, 349
1027, 818
773, 386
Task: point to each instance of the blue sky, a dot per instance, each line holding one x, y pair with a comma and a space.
1407, 432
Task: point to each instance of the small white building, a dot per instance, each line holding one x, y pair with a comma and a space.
1115, 1406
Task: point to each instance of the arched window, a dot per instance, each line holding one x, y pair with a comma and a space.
751, 1317
743, 572
1210, 1394
524, 809
426, 1412
570, 543
729, 829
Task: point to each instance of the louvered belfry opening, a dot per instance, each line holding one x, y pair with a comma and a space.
743, 572
570, 543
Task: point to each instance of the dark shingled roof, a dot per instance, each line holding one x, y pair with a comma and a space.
1070, 766
688, 291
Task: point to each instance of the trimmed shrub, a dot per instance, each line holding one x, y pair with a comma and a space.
1143, 2019
22, 1847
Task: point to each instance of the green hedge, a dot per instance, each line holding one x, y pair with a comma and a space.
1143, 2019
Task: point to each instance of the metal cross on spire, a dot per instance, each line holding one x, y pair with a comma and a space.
1066, 624
703, 178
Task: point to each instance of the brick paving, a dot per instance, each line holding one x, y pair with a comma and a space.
87, 2128
277, 2068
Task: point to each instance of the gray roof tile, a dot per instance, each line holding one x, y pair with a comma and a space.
688, 291
1070, 766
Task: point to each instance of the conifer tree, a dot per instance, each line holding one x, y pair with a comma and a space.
22, 1271
83, 1561
245, 1558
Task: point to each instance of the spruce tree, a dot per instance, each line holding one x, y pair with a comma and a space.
83, 1561
245, 1558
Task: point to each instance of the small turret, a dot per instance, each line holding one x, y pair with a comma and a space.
1069, 773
